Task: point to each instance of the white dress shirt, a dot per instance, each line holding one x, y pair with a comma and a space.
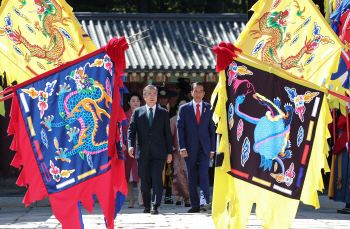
153, 109
195, 107
195, 112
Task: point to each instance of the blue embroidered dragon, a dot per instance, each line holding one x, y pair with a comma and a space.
80, 106
271, 134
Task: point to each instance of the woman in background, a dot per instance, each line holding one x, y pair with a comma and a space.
180, 183
134, 101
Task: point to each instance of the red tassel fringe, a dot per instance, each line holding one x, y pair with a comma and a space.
115, 49
225, 53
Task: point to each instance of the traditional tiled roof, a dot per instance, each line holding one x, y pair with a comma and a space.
168, 47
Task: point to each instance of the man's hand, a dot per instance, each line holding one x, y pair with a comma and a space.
212, 155
169, 158
131, 152
183, 153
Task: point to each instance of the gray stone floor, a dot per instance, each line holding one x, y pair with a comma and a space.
39, 215
170, 216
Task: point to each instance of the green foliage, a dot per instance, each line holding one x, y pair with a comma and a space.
160, 6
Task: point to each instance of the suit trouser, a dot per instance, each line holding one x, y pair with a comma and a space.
202, 160
150, 173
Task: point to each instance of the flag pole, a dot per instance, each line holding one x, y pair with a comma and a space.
208, 38
200, 44
6, 97
137, 34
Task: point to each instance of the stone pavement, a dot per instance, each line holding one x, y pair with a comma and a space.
170, 216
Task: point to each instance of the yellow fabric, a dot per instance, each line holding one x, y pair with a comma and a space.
318, 159
278, 48
221, 181
45, 41
326, 10
2, 105
233, 198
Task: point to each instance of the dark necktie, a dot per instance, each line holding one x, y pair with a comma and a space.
150, 117
198, 114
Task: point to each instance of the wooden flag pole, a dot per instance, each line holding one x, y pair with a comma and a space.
208, 39
137, 34
200, 44
139, 40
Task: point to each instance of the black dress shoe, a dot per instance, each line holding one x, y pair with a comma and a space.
147, 210
344, 211
194, 210
187, 205
154, 210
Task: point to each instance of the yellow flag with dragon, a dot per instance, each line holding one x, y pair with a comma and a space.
292, 35
37, 36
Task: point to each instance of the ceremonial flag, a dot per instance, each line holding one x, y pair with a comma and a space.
67, 134
337, 183
293, 36
339, 81
273, 145
37, 36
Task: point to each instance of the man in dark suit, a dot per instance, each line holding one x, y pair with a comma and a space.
196, 132
150, 126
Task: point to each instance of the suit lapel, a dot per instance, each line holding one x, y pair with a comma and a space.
144, 115
190, 106
156, 116
203, 109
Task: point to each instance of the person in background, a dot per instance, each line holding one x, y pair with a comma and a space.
131, 175
196, 133
150, 126
339, 189
184, 85
180, 182
164, 96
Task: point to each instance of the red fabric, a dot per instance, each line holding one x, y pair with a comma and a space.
115, 49
230, 46
340, 143
198, 114
30, 173
225, 53
65, 204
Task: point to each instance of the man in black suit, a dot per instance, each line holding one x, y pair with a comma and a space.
150, 126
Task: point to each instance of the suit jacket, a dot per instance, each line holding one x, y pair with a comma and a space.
154, 141
189, 131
